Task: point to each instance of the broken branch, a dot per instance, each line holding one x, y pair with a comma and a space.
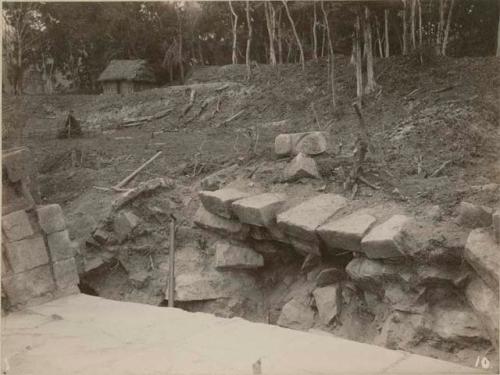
127, 179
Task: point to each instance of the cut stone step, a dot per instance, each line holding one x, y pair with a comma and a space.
219, 202
259, 209
300, 222
230, 256
346, 233
390, 239
217, 224
484, 303
483, 254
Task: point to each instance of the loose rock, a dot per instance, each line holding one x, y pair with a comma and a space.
296, 315
124, 223
301, 166
228, 255
328, 301
473, 216
483, 254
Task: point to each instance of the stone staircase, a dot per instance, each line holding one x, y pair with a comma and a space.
384, 265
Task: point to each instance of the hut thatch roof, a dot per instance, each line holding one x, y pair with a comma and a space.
127, 70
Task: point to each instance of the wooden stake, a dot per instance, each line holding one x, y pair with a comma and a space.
171, 264
127, 179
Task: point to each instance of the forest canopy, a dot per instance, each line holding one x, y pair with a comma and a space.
79, 39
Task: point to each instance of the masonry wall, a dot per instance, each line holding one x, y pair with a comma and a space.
38, 257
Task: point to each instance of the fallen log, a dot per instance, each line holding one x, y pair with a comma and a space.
230, 119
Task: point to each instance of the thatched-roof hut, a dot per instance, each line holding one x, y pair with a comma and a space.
126, 76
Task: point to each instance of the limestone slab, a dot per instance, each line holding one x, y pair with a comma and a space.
260, 210
389, 239
228, 255
60, 245
219, 202
220, 225
27, 254
65, 273
24, 286
347, 232
51, 218
328, 301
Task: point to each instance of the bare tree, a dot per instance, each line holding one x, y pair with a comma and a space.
405, 38
420, 23
331, 56
249, 40
234, 23
379, 38
315, 35
280, 38
358, 59
440, 27
370, 76
413, 24
297, 39
447, 30
498, 37
271, 27
386, 31
181, 60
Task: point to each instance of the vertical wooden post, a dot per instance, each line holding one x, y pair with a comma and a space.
171, 265
386, 31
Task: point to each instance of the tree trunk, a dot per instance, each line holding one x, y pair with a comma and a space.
358, 58
331, 56
234, 22
181, 60
271, 24
379, 39
323, 41
280, 39
405, 45
386, 31
413, 24
420, 23
315, 36
447, 30
370, 76
297, 39
440, 28
498, 37
249, 41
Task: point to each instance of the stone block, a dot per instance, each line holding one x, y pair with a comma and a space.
390, 239
51, 218
300, 222
484, 302
329, 302
270, 233
259, 209
309, 143
228, 255
16, 163
66, 273
219, 202
473, 216
346, 233
483, 254
27, 254
101, 236
296, 315
202, 286
217, 224
123, 225
301, 166
22, 287
16, 226
60, 246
